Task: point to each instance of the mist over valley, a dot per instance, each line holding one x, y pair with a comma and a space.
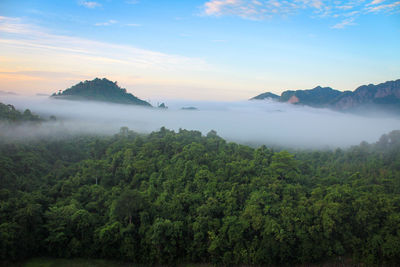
249, 122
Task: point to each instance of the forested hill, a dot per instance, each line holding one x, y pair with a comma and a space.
182, 197
100, 90
384, 96
266, 95
9, 114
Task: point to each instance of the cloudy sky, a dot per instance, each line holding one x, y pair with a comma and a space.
215, 49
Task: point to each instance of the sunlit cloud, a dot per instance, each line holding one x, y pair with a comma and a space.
40, 74
267, 9
375, 2
89, 4
385, 7
26, 47
32, 37
260, 9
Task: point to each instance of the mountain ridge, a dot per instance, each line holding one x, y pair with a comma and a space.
384, 95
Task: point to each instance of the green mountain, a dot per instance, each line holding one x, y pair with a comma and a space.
100, 90
384, 96
266, 96
317, 97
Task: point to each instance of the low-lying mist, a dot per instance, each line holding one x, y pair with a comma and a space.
249, 122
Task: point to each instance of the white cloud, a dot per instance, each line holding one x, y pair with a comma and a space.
344, 23
107, 23
345, 7
32, 37
218, 7
375, 2
26, 47
265, 9
89, 4
132, 2
14, 25
385, 7
133, 25
259, 9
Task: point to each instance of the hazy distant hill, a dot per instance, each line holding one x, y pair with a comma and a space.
7, 93
100, 90
317, 97
265, 96
384, 96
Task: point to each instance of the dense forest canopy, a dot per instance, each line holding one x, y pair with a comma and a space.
171, 197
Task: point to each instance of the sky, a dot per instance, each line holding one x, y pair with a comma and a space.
225, 50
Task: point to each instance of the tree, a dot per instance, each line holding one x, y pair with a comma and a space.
127, 207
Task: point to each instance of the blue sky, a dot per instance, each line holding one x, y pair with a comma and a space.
214, 50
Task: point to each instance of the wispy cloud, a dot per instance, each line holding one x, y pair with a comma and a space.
385, 7
132, 2
345, 7
17, 26
133, 25
27, 50
259, 9
89, 4
44, 74
33, 37
344, 23
266, 9
107, 23
375, 2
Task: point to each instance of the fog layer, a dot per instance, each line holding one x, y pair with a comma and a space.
255, 122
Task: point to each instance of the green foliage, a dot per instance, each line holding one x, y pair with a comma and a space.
168, 197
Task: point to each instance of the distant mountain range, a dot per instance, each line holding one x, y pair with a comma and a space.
384, 96
100, 90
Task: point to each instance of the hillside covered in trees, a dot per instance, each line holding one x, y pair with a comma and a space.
9, 114
100, 90
171, 197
